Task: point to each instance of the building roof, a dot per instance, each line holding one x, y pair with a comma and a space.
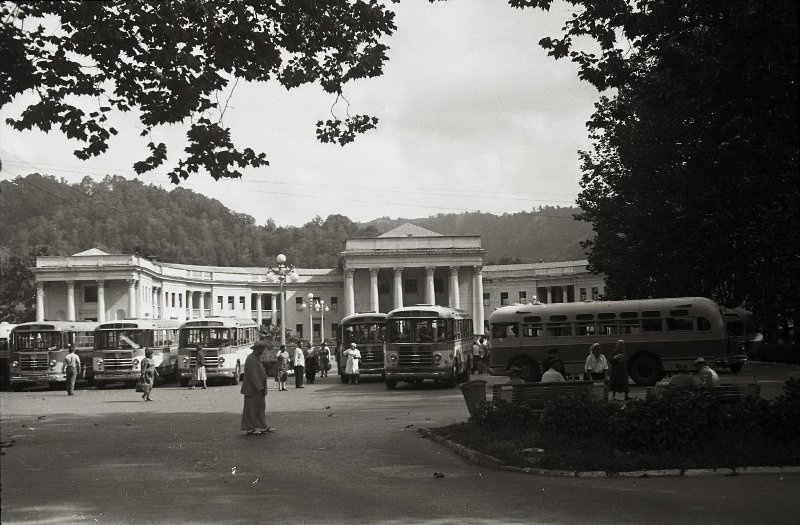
533, 266
89, 252
410, 230
249, 270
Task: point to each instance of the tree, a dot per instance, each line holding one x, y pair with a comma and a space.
692, 182
172, 60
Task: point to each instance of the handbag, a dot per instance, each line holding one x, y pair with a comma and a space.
140, 384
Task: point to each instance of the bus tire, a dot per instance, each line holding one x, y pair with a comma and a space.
736, 368
344, 377
452, 381
391, 385
184, 381
99, 385
645, 370
236, 375
529, 370
17, 387
54, 385
465, 375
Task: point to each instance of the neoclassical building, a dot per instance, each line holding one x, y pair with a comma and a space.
405, 266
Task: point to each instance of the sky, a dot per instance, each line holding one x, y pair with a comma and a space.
473, 116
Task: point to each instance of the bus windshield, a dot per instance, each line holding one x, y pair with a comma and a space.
206, 337
31, 341
120, 339
420, 330
364, 333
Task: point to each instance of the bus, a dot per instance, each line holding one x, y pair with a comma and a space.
226, 342
38, 349
5, 334
661, 335
744, 334
426, 341
368, 331
120, 345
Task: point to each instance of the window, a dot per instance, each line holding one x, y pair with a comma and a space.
584, 317
173, 299
651, 325
558, 329
703, 324
334, 303
298, 303
595, 293
585, 329
532, 330
438, 285
523, 297
180, 300
298, 328
384, 286
680, 324
335, 330
409, 286
503, 298
231, 302
583, 294
629, 326
219, 302
502, 330
316, 329
241, 302
487, 297
90, 293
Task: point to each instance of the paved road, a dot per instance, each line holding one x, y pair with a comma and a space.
108, 457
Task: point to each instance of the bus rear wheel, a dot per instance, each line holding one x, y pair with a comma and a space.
645, 370
391, 385
736, 368
465, 375
527, 368
99, 385
452, 381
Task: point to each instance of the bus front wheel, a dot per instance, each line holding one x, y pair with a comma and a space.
391, 385
645, 370
236, 374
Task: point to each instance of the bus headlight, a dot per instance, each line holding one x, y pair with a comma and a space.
186, 360
14, 364
221, 360
53, 363
392, 358
135, 362
437, 357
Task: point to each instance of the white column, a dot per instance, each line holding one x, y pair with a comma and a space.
153, 301
273, 317
455, 300
190, 304
349, 293
564, 295
549, 294
430, 295
70, 300
259, 319
162, 302
40, 302
373, 290
202, 305
101, 301
398, 286
478, 320
131, 298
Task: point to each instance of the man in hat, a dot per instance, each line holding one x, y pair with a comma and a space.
708, 377
72, 367
254, 389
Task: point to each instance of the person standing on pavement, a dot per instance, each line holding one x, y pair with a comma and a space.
200, 370
324, 355
311, 364
254, 390
476, 354
596, 364
149, 374
484, 351
283, 368
618, 374
299, 366
72, 367
353, 357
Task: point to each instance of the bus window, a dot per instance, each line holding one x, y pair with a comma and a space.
532, 330
501, 330
735, 328
607, 328
558, 329
585, 329
703, 324
629, 326
680, 324
651, 325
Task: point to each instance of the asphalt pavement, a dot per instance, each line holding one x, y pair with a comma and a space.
341, 453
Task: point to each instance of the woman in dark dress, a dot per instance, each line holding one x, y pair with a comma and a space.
618, 381
149, 374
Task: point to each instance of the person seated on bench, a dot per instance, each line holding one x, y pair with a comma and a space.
708, 377
553, 375
684, 380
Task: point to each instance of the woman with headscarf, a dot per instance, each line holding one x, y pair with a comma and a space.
353, 355
149, 374
618, 376
254, 389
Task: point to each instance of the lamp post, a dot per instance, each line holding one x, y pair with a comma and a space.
319, 306
282, 273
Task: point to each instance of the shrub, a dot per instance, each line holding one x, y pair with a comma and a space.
781, 417
503, 414
578, 415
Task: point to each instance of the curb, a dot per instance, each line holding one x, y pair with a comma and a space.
489, 461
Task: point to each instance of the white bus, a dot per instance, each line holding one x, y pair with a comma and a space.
368, 331
744, 334
120, 345
38, 350
5, 334
661, 335
427, 342
226, 342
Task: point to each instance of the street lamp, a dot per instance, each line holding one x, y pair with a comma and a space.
319, 306
281, 274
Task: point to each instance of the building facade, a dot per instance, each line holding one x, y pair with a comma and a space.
405, 266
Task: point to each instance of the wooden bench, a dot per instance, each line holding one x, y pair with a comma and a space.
536, 395
724, 393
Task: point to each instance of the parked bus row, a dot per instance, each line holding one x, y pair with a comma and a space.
112, 352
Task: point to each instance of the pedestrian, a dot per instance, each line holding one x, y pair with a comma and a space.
485, 350
353, 356
476, 354
552, 375
684, 380
254, 389
200, 369
552, 356
618, 373
596, 364
324, 355
299, 365
311, 364
282, 370
708, 377
72, 367
149, 374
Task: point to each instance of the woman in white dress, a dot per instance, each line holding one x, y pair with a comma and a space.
353, 356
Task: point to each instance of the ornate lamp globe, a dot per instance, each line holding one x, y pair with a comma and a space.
281, 258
